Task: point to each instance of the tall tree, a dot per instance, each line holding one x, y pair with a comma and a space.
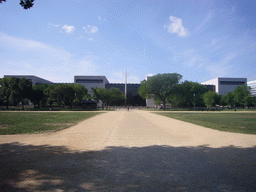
161, 86
142, 91
210, 98
49, 93
80, 92
100, 94
58, 94
6, 90
229, 99
114, 95
240, 95
69, 94
24, 91
38, 94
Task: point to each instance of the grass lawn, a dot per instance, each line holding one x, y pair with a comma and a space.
229, 122
29, 122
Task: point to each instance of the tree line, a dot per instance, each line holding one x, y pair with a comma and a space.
15, 91
168, 88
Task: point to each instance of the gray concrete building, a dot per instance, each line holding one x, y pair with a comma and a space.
223, 85
91, 81
34, 79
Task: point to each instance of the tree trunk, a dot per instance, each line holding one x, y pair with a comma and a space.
22, 104
7, 104
164, 103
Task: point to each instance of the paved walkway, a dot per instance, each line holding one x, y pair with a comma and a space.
129, 151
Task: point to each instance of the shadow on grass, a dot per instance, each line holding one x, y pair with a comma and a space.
153, 168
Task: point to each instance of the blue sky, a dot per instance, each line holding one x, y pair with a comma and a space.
199, 39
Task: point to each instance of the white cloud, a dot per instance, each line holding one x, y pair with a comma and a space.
90, 29
54, 25
205, 21
177, 27
68, 29
24, 56
99, 18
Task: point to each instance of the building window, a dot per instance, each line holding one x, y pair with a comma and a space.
232, 82
89, 80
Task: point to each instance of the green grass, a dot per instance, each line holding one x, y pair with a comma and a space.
37, 122
235, 122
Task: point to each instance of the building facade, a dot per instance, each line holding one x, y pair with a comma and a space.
252, 84
223, 85
32, 78
91, 81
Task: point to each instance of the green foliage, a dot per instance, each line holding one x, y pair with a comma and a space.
38, 94
187, 93
81, 93
142, 91
241, 95
5, 90
69, 94
26, 4
107, 96
161, 86
210, 98
229, 99
49, 93
58, 94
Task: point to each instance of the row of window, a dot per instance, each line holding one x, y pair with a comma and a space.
232, 82
89, 80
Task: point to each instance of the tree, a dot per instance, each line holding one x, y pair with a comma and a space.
38, 94
69, 94
23, 91
142, 91
49, 93
229, 99
161, 86
58, 94
26, 4
80, 92
114, 94
210, 98
241, 93
6, 90
98, 94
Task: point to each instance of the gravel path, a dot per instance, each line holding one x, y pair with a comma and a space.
129, 151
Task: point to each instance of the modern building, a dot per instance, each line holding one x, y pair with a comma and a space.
252, 84
34, 79
223, 85
133, 97
102, 82
91, 81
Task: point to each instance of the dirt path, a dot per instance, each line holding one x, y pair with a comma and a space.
129, 151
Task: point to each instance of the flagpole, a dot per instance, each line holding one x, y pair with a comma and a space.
125, 88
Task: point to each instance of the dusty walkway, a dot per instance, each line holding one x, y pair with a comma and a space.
129, 151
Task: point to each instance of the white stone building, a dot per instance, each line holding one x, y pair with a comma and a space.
224, 85
34, 79
252, 84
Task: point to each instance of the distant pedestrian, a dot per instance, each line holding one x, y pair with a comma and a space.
128, 108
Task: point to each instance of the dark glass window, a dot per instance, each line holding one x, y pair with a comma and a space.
232, 82
89, 80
